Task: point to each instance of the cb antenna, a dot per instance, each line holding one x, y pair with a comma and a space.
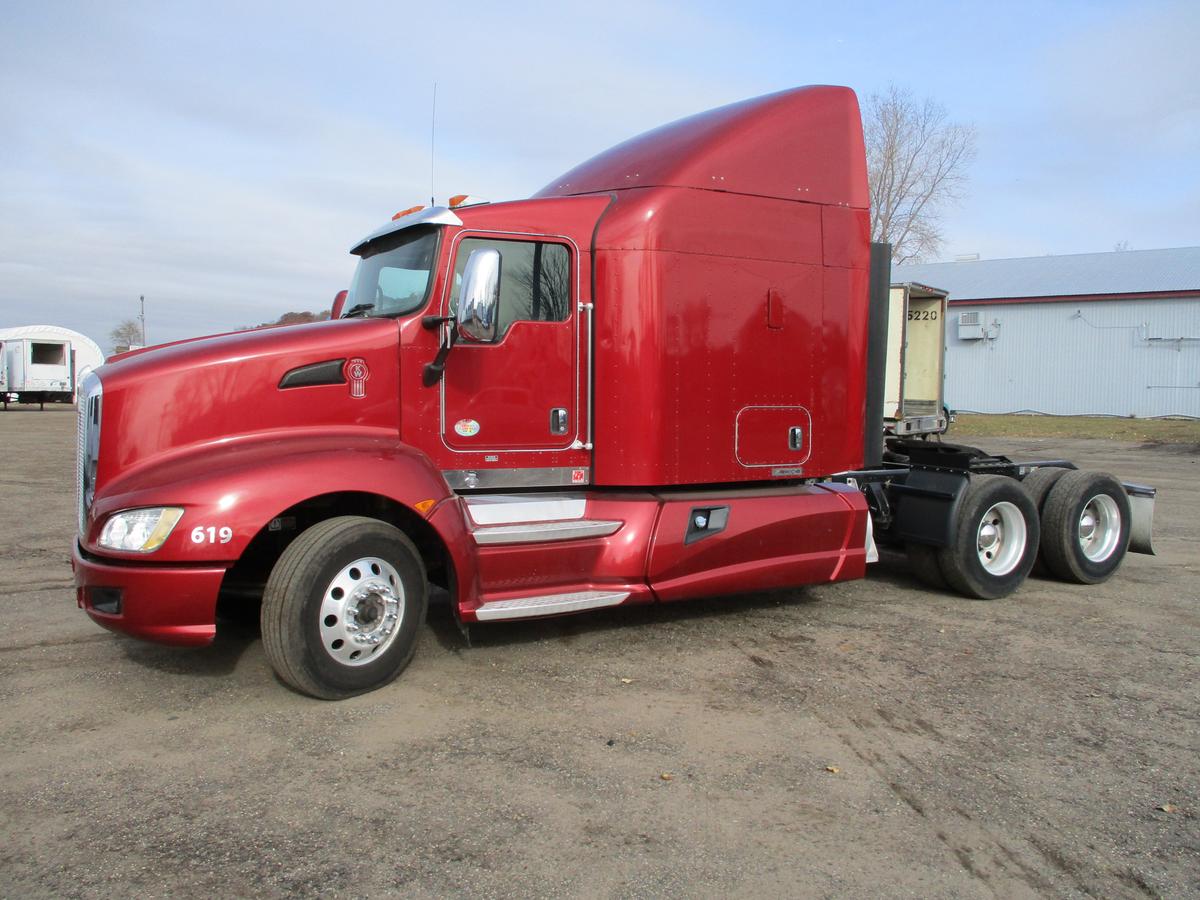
432, 137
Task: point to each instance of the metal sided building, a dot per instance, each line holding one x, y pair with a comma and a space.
1086, 334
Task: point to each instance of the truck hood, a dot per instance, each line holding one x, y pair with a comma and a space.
213, 393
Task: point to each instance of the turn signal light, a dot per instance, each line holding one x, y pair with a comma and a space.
406, 212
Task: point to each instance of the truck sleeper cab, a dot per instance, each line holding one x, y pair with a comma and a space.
646, 383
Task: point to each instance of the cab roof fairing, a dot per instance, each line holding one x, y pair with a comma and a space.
433, 215
804, 144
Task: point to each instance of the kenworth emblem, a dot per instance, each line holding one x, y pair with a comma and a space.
357, 374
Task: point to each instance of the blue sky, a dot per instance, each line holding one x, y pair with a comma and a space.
221, 158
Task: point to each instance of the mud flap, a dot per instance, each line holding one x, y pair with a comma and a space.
926, 505
1141, 510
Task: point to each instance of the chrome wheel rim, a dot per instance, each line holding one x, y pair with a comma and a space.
1099, 529
361, 611
1000, 538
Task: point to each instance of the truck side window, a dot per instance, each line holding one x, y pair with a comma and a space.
535, 280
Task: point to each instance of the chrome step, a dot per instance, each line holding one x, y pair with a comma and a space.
548, 605
511, 509
528, 533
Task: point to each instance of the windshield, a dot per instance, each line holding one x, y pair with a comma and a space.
393, 276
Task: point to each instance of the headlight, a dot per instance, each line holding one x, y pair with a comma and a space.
139, 530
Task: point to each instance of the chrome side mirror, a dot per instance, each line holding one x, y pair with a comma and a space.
479, 300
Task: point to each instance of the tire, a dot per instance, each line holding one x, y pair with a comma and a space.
1037, 485
996, 533
1085, 527
923, 563
329, 604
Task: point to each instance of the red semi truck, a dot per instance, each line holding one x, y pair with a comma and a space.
658, 378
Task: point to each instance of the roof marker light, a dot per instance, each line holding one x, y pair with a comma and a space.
465, 200
406, 212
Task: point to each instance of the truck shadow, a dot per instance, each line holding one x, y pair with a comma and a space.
217, 660
566, 629
235, 636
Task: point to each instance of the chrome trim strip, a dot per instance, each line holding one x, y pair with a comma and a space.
537, 532
548, 605
89, 417
590, 308
473, 479
434, 215
512, 509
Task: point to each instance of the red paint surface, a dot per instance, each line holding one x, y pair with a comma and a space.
800, 144
771, 541
168, 605
728, 255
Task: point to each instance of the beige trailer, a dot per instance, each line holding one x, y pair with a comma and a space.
914, 393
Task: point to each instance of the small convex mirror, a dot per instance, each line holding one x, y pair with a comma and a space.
479, 300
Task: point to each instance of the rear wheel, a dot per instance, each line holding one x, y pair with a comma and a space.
995, 539
1085, 527
1037, 485
343, 607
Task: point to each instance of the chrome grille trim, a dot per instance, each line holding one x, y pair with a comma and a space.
87, 444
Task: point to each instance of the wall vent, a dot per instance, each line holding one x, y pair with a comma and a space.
970, 327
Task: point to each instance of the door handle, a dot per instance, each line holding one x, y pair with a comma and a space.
558, 420
795, 438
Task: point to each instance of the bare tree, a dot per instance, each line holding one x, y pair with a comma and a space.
546, 281
125, 335
916, 163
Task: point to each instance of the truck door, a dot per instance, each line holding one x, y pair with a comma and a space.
519, 399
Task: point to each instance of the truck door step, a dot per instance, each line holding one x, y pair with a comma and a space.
533, 532
548, 605
509, 509
531, 519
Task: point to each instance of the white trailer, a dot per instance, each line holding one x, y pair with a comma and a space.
913, 392
38, 371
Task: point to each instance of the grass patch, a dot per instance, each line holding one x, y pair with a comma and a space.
1167, 431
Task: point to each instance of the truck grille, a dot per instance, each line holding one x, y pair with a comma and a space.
87, 446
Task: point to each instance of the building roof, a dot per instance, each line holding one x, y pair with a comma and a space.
1075, 275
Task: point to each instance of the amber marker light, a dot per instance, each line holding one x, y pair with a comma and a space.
424, 506
405, 212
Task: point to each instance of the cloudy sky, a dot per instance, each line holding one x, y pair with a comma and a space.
221, 158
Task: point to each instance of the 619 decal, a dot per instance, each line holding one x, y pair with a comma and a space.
212, 534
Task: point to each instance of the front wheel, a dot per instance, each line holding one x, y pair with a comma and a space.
996, 537
343, 607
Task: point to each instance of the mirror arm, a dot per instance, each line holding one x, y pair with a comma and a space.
431, 322
434, 370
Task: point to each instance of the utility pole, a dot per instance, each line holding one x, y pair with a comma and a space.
142, 317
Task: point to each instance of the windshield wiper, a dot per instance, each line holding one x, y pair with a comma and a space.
358, 308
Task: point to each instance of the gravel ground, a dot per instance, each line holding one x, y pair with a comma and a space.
861, 739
